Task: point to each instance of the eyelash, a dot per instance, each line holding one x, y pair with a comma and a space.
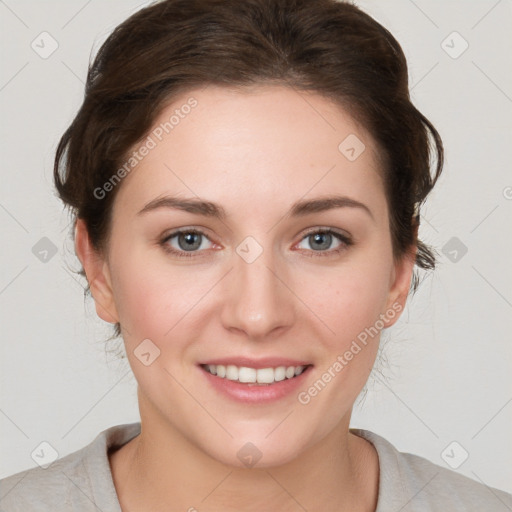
344, 239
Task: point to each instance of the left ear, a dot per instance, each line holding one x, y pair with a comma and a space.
400, 283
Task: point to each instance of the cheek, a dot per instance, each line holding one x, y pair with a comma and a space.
163, 303
351, 300
156, 307
150, 299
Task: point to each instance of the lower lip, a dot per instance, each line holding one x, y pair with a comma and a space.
255, 393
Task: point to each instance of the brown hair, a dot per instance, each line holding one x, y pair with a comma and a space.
325, 46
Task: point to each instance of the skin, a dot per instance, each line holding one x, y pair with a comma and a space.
254, 152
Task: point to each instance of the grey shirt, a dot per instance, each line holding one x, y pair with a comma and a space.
82, 481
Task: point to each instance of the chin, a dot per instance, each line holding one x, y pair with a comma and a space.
258, 451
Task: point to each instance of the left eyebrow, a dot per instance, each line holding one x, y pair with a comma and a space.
322, 204
210, 209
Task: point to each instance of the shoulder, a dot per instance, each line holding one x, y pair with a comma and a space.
409, 482
80, 481
40, 488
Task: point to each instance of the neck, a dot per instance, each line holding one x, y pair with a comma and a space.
160, 468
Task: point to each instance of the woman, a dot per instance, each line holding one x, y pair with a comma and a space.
246, 178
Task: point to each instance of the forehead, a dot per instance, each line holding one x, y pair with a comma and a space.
251, 145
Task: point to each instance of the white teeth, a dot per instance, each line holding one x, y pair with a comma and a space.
279, 373
246, 374
231, 372
253, 375
265, 375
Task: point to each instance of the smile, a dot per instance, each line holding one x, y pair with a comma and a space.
244, 374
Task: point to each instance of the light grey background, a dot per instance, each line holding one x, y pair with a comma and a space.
450, 356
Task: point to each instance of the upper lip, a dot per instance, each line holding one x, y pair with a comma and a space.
265, 362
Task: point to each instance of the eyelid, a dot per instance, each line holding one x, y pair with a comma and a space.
344, 238
176, 232
326, 229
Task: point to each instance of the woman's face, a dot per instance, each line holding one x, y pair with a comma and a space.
252, 281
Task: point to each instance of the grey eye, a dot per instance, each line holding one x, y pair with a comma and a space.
189, 241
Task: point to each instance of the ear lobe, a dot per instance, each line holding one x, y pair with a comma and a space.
97, 273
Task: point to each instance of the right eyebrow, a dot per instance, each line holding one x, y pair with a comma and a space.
197, 206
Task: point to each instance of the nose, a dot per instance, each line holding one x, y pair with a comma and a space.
259, 302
